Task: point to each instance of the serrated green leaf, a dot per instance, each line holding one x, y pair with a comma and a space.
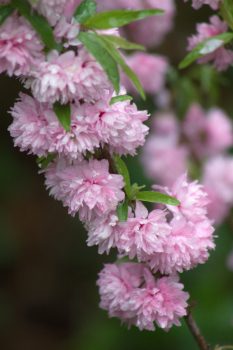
120, 98
43, 162
118, 18
206, 47
123, 170
38, 22
122, 211
95, 46
85, 10
63, 113
121, 62
226, 10
5, 11
122, 43
156, 197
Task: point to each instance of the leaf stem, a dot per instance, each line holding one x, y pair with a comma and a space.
196, 333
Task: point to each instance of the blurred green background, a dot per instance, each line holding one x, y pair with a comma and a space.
48, 294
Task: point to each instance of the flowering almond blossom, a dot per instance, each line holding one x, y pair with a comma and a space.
86, 187
20, 47
214, 4
221, 57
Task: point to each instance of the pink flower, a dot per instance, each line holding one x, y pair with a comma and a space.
209, 133
86, 187
214, 4
36, 129
130, 292
66, 77
187, 246
143, 234
193, 199
102, 231
221, 56
147, 67
218, 177
217, 208
151, 32
161, 154
116, 282
68, 30
51, 9
20, 47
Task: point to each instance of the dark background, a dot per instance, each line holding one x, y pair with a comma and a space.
48, 294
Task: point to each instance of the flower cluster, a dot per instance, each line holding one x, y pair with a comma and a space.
82, 172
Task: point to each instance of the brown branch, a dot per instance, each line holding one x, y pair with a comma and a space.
194, 329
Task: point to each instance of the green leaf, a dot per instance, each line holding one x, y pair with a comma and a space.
5, 11
95, 46
226, 10
120, 98
43, 162
122, 43
121, 62
38, 22
85, 10
123, 170
63, 113
156, 197
206, 47
122, 211
118, 18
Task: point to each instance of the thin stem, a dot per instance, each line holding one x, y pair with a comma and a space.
194, 329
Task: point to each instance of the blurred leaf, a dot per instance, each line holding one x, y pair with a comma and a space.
118, 18
226, 10
121, 62
5, 11
156, 197
122, 43
95, 46
63, 113
185, 94
120, 98
123, 170
38, 22
206, 47
122, 211
85, 10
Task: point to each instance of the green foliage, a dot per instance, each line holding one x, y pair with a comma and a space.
38, 22
120, 98
156, 197
122, 211
63, 113
118, 18
85, 10
226, 10
206, 47
5, 11
95, 46
122, 43
121, 62
123, 170
43, 162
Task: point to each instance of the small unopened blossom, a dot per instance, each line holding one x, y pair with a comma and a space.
85, 187
208, 133
66, 77
151, 70
219, 55
130, 292
214, 4
20, 47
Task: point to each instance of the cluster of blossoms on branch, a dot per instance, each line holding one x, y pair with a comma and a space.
84, 168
